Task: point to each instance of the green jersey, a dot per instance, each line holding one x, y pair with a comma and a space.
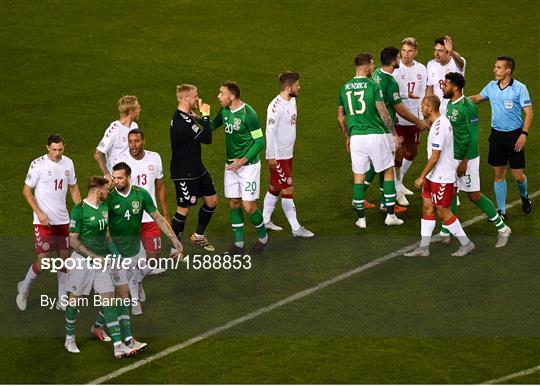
125, 218
358, 97
244, 136
463, 115
90, 223
390, 90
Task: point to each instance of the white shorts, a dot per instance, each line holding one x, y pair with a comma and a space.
391, 143
81, 281
120, 275
243, 183
371, 149
470, 182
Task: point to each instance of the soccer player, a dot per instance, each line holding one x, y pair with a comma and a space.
280, 137
392, 99
445, 60
244, 141
88, 238
126, 204
509, 98
411, 77
147, 173
365, 120
191, 178
115, 141
437, 178
47, 182
463, 115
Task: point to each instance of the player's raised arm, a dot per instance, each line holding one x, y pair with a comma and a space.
449, 45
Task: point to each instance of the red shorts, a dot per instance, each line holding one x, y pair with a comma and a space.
410, 134
51, 238
281, 176
151, 237
441, 194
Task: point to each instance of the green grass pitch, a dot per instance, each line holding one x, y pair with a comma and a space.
436, 320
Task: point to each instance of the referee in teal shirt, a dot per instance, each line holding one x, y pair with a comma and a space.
509, 98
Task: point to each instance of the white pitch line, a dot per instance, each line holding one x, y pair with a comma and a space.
299, 295
532, 370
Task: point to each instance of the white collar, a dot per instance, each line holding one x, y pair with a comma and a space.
87, 203
124, 195
238, 109
457, 100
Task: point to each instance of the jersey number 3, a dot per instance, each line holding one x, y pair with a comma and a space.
360, 95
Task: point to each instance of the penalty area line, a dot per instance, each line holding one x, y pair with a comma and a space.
289, 299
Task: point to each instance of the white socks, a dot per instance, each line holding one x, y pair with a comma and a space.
426, 230
405, 165
62, 284
29, 278
287, 204
270, 202
457, 230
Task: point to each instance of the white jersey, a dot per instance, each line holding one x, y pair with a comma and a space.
115, 141
50, 181
412, 80
436, 74
441, 138
144, 173
280, 128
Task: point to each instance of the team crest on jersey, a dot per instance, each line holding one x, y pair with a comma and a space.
45, 246
136, 206
92, 218
151, 168
195, 128
49, 172
419, 76
271, 121
293, 119
237, 122
66, 173
105, 214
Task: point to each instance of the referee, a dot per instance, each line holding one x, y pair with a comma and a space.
190, 176
509, 98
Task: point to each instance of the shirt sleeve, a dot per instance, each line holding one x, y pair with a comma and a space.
272, 121
72, 178
107, 141
524, 98
340, 99
34, 171
75, 219
252, 122
159, 167
378, 94
472, 124
429, 81
393, 91
148, 204
217, 121
484, 94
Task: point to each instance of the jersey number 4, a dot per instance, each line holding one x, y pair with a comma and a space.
127, 215
360, 95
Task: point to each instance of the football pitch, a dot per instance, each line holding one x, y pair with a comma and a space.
343, 307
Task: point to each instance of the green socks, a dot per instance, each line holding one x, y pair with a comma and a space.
71, 318
389, 191
258, 222
237, 222
111, 319
125, 323
490, 210
358, 197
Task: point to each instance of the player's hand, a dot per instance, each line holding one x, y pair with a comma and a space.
348, 144
520, 143
179, 249
462, 168
448, 43
43, 219
398, 140
410, 95
419, 182
204, 108
422, 125
272, 163
109, 178
236, 164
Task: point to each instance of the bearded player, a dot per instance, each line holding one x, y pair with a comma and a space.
437, 178
280, 137
147, 173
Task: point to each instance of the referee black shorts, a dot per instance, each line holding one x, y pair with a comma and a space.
188, 191
501, 149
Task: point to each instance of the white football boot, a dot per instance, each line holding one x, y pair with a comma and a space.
401, 199
70, 345
272, 227
502, 238
391, 220
303, 232
142, 293
419, 251
361, 223
137, 346
464, 249
406, 191
21, 298
123, 351
136, 309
